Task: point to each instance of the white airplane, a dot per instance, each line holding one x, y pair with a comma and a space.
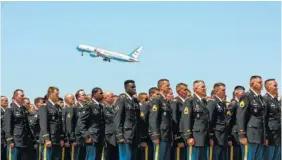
108, 55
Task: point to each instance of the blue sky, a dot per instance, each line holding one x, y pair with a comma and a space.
183, 41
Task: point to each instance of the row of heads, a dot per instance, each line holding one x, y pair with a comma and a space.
163, 87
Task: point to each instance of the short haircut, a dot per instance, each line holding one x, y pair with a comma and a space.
254, 77
268, 80
152, 90
141, 94
198, 81
179, 85
16, 92
95, 90
25, 98
218, 85
51, 90
160, 82
212, 92
77, 93
38, 99
128, 81
239, 87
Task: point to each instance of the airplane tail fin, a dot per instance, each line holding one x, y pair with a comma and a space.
136, 52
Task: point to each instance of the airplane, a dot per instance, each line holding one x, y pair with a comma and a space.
107, 55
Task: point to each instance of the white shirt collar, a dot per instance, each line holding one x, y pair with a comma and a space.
80, 104
51, 102
254, 92
17, 104
95, 101
3, 109
181, 99
219, 98
198, 97
270, 94
163, 95
67, 105
236, 99
128, 96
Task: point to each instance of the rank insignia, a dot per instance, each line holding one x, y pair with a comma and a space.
186, 110
242, 104
155, 108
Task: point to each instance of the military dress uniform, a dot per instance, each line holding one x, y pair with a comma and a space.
17, 131
110, 150
72, 131
35, 130
146, 152
251, 117
127, 115
273, 151
91, 125
195, 124
160, 120
3, 139
51, 129
177, 106
219, 127
234, 152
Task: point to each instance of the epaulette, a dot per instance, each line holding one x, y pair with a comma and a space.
123, 95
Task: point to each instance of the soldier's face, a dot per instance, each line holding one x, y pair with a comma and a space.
170, 95
99, 95
257, 83
110, 98
183, 92
82, 97
4, 102
131, 89
155, 94
201, 89
71, 100
239, 93
272, 87
55, 95
144, 99
166, 87
221, 92
26, 103
39, 103
19, 97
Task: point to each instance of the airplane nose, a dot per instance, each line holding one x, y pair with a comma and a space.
77, 48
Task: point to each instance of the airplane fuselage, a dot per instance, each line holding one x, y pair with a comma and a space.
106, 54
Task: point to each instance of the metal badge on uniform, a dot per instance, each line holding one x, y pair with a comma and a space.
164, 113
35, 116
53, 117
17, 113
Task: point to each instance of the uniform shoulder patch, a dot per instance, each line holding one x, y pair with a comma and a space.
186, 110
155, 108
